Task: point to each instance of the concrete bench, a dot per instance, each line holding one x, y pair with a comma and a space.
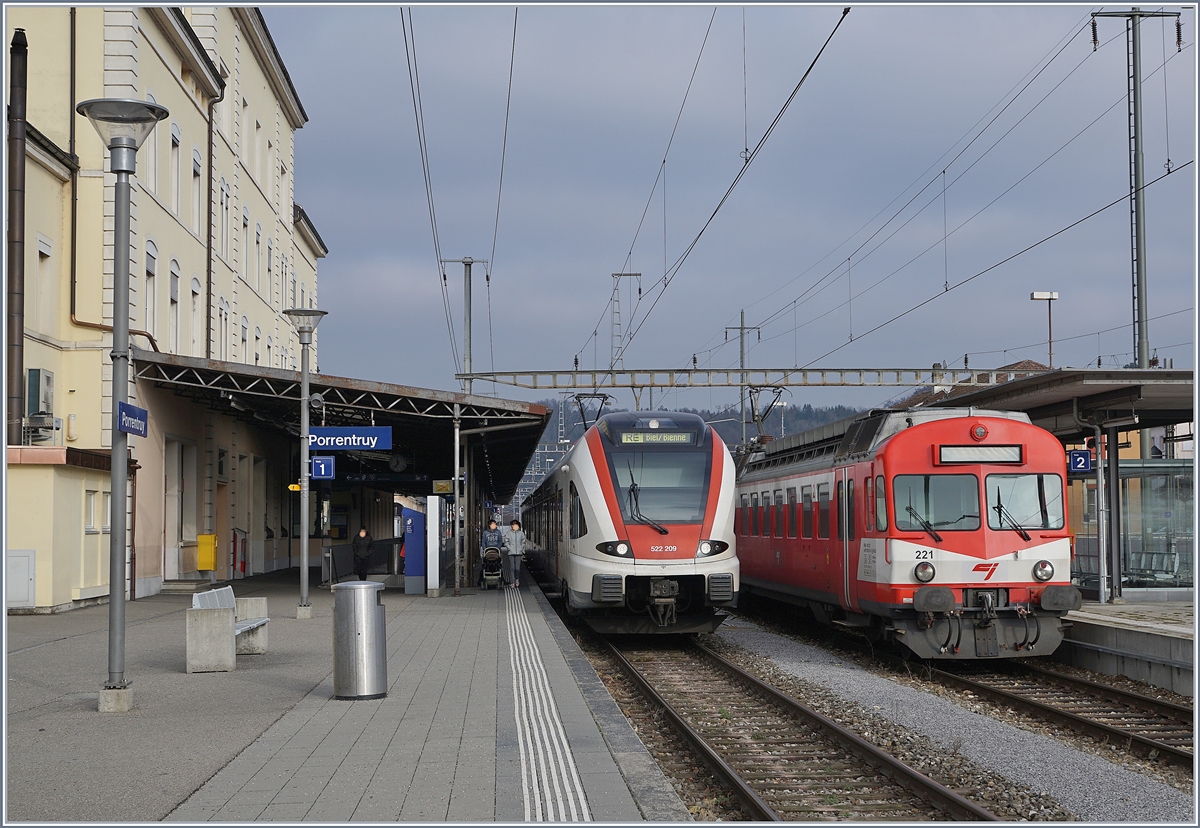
221, 627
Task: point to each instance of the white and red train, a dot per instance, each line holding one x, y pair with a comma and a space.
942, 530
635, 525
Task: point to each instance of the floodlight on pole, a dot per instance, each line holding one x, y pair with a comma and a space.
305, 321
123, 125
1047, 296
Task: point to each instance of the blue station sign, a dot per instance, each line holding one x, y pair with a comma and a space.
368, 438
132, 420
323, 468
1079, 461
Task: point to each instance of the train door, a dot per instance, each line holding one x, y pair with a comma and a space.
842, 482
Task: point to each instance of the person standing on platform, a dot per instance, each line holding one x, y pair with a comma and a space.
492, 537
514, 545
362, 546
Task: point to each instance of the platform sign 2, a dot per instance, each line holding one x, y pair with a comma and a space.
131, 419
1079, 461
322, 468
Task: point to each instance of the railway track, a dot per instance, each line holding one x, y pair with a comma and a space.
1137, 723
782, 759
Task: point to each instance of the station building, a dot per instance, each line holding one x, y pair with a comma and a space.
219, 249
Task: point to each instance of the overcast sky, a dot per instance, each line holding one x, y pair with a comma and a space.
815, 242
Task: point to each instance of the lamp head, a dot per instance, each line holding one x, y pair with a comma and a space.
305, 320
122, 122
1044, 294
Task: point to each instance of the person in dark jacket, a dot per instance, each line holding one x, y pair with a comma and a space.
362, 546
491, 537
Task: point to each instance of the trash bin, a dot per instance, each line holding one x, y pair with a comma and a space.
359, 641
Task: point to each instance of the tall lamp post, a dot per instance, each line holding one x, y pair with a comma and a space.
1048, 296
305, 321
123, 125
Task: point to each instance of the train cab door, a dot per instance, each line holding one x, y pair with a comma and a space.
844, 483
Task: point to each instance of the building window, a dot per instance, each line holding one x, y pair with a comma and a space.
175, 140
270, 275
258, 149
257, 257
257, 343
40, 304
195, 316
151, 299
225, 106
150, 157
89, 512
226, 221
245, 335
197, 172
223, 329
173, 316
271, 364
245, 251
107, 512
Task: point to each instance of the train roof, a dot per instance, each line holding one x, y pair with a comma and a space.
860, 434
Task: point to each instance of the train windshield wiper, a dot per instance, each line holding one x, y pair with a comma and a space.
635, 511
1002, 513
926, 525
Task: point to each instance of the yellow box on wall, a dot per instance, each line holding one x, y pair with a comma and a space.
206, 552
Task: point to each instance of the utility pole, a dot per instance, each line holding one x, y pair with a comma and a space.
741, 329
466, 263
1133, 39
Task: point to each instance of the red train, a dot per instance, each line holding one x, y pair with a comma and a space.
942, 530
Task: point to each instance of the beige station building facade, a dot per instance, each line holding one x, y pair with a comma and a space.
219, 249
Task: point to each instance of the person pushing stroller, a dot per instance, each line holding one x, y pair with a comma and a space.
492, 538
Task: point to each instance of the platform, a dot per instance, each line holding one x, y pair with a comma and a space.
492, 714
1152, 642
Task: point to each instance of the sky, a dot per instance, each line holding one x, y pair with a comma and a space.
929, 147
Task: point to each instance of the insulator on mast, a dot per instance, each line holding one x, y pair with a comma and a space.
1178, 35
1095, 36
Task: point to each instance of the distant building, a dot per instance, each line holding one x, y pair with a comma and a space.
219, 250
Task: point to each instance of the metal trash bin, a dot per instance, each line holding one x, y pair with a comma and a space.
359, 641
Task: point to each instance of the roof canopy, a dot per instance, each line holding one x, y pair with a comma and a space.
1158, 397
422, 420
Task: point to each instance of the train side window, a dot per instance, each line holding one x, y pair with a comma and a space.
806, 512
880, 505
578, 522
778, 519
822, 510
766, 515
868, 504
850, 509
791, 512
841, 511
754, 514
743, 516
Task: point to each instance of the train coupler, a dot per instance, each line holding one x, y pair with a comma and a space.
663, 592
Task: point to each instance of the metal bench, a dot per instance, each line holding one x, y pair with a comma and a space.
221, 627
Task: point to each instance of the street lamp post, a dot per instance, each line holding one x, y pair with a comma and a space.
1048, 296
123, 125
305, 321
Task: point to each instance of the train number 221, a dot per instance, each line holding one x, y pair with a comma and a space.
924, 554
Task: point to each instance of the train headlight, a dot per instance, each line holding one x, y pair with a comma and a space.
618, 548
1043, 570
708, 548
924, 572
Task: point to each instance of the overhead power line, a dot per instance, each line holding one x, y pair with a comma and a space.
414, 83
674, 269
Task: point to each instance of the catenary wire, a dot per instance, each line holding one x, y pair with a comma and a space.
414, 83
679, 262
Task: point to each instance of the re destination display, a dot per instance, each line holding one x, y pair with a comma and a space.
678, 437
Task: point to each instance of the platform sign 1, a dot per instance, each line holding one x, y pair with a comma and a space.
322, 468
1079, 461
131, 419
368, 438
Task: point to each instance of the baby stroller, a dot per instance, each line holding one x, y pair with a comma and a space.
491, 570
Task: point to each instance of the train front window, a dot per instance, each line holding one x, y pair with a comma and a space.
1025, 501
944, 501
663, 486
